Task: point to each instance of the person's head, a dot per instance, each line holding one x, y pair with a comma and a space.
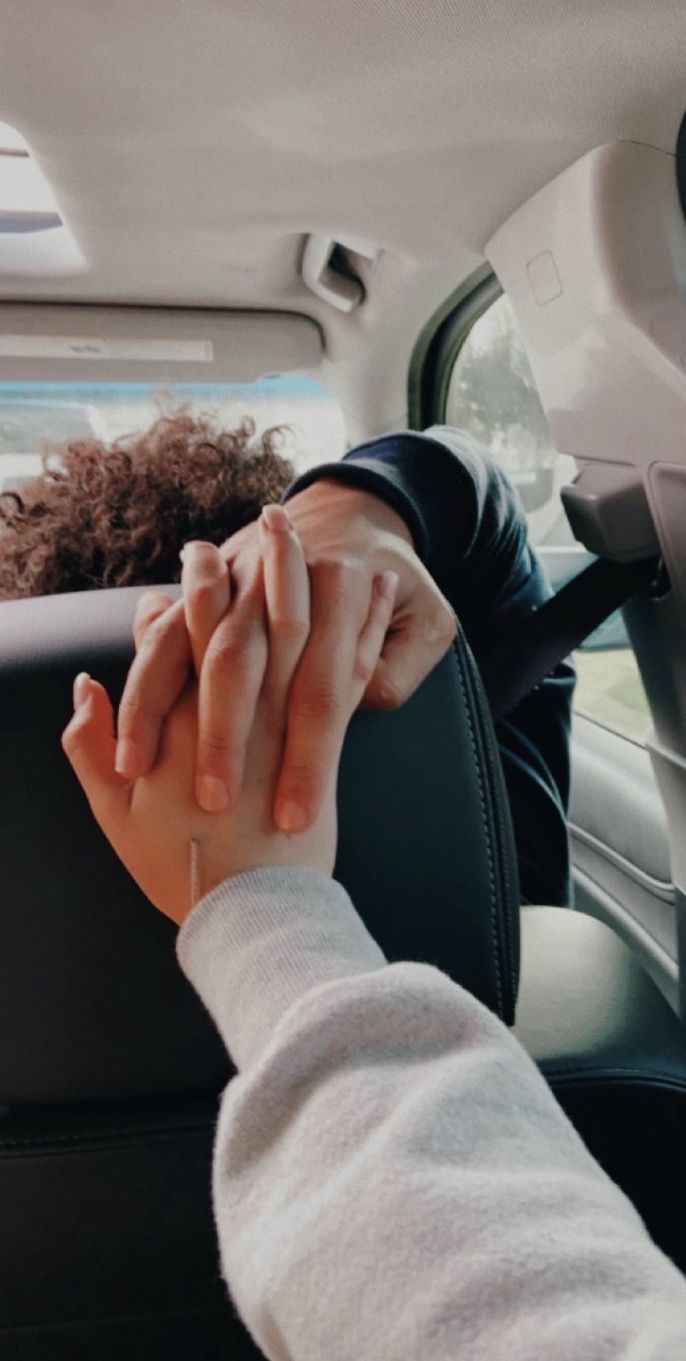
118, 514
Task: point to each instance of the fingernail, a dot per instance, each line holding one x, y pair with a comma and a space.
388, 584
212, 794
275, 517
190, 549
291, 818
127, 761
80, 691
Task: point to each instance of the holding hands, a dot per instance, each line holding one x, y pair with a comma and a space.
349, 537
176, 850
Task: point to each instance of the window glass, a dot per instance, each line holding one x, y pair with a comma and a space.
492, 394
32, 414
609, 689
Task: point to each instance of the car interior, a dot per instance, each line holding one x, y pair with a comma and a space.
344, 224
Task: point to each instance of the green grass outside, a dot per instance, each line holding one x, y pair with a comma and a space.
610, 690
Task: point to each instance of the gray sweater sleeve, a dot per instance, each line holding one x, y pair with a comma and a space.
392, 1177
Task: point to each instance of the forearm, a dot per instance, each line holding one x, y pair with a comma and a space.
420, 479
392, 1176
469, 527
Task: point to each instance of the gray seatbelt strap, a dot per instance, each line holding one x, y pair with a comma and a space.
519, 660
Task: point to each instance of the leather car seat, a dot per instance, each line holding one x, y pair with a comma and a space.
614, 1053
109, 1068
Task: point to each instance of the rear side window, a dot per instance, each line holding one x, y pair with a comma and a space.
491, 393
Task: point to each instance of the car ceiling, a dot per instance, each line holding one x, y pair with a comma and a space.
192, 146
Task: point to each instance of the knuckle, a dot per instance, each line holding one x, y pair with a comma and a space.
299, 784
363, 669
344, 566
69, 737
440, 627
317, 700
389, 694
133, 710
201, 595
227, 654
162, 629
149, 606
340, 577
448, 630
289, 630
74, 735
154, 598
213, 745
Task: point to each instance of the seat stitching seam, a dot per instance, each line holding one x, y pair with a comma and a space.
491, 872
98, 1137
505, 872
612, 1071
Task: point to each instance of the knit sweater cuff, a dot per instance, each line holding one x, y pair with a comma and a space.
263, 939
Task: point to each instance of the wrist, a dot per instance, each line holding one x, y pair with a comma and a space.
355, 503
261, 941
248, 843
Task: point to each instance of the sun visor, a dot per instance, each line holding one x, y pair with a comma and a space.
42, 343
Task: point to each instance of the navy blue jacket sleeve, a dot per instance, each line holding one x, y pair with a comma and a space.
470, 530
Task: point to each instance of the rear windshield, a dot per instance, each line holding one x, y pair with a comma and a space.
35, 414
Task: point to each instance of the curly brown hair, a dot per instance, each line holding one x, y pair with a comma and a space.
118, 514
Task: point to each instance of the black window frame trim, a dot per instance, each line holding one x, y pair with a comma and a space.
439, 344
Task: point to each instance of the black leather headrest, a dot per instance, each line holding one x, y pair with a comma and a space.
92, 1003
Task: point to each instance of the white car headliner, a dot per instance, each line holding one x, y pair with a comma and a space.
190, 146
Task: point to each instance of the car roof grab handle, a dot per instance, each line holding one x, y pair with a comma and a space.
340, 290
